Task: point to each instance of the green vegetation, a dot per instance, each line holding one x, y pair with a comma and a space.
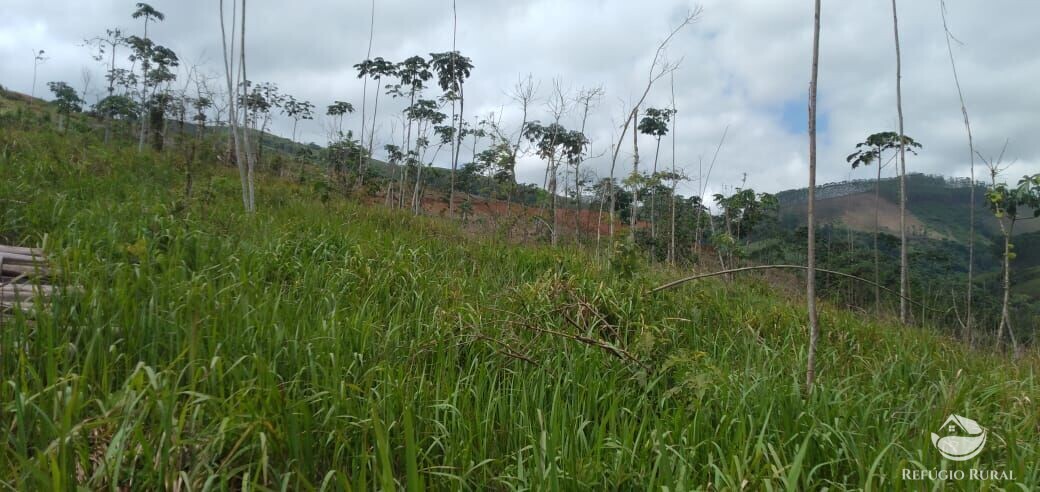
328, 345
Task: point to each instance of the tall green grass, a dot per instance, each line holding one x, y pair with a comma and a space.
339, 347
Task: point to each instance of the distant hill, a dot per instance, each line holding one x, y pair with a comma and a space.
937, 206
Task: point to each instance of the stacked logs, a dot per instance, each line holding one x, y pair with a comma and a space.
23, 279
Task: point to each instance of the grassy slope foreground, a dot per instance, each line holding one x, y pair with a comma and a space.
334, 346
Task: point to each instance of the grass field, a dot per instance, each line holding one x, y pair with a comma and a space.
344, 347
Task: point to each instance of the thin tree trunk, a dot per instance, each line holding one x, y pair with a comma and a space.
371, 136
635, 175
577, 176
407, 147
416, 202
552, 191
457, 144
144, 92
364, 95
698, 226
810, 284
1005, 314
653, 193
971, 151
111, 90
599, 218
675, 177
232, 92
877, 227
904, 264
250, 163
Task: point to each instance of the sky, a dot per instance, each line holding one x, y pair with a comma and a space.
743, 69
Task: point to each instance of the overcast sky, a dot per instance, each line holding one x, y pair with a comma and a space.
745, 64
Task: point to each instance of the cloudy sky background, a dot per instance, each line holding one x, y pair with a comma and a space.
745, 65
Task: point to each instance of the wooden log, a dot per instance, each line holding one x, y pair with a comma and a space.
27, 270
19, 305
19, 250
20, 258
42, 289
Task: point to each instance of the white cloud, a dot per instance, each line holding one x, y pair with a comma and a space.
745, 62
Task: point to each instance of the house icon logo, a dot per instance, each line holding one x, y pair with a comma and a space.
962, 439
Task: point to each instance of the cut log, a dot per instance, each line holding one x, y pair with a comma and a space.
19, 250
24, 306
15, 269
20, 258
31, 289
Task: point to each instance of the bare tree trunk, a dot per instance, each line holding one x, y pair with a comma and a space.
364, 94
699, 226
552, 190
971, 151
144, 93
586, 97
232, 111
635, 176
111, 91
1005, 315
456, 151
810, 283
653, 193
250, 162
456, 145
407, 148
416, 201
691, 17
599, 217
675, 177
904, 264
371, 136
877, 227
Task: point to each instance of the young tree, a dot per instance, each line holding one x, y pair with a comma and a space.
586, 99
554, 143
38, 60
112, 40
260, 101
297, 110
67, 101
149, 14
904, 263
452, 70
115, 108
376, 68
655, 124
509, 146
424, 113
162, 61
1007, 205
868, 152
810, 282
412, 74
337, 110
658, 69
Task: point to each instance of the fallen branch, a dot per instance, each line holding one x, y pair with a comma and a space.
681, 281
608, 347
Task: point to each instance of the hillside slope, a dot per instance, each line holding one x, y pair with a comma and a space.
338, 346
937, 207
